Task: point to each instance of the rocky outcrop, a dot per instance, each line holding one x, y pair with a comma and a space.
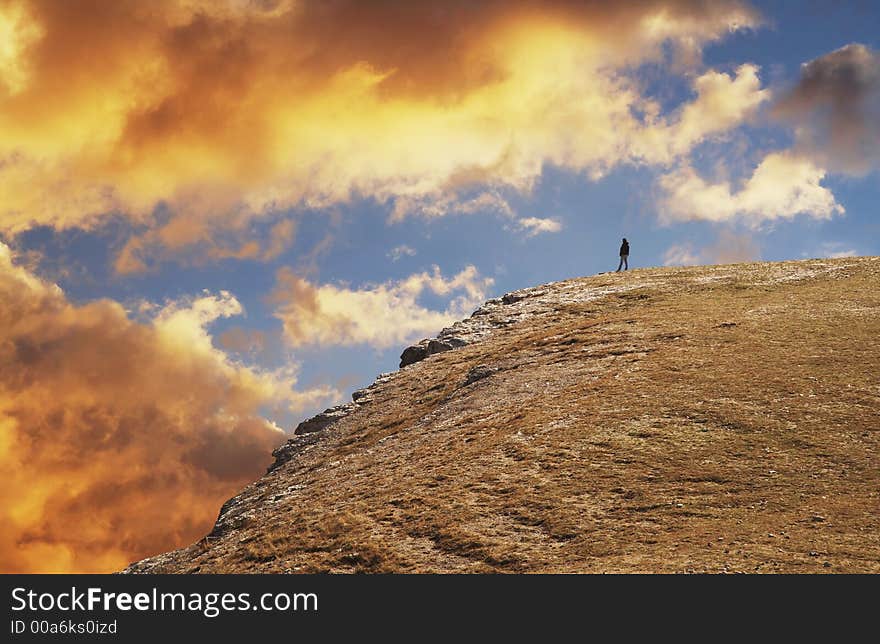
321, 421
293, 446
309, 431
425, 348
504, 311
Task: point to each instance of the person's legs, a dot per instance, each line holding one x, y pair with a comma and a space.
626, 262
620, 264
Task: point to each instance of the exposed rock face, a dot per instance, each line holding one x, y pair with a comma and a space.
661, 420
425, 348
293, 446
324, 419
498, 313
308, 431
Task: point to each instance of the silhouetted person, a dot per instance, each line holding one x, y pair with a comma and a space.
624, 254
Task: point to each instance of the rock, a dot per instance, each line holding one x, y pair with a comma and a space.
365, 395
439, 346
291, 448
324, 419
487, 308
478, 373
492, 315
413, 354
453, 341
425, 348
516, 296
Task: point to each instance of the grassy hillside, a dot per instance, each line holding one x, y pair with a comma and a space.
716, 419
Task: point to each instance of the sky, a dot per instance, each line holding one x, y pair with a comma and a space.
218, 218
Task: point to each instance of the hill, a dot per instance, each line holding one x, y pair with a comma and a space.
707, 419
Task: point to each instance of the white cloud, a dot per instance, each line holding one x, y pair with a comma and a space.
681, 255
382, 315
536, 225
842, 253
399, 252
441, 203
723, 102
782, 186
836, 250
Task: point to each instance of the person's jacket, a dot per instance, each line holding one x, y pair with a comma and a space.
624, 248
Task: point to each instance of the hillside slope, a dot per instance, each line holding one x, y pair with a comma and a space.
722, 418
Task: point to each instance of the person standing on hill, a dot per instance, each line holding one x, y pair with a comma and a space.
624, 254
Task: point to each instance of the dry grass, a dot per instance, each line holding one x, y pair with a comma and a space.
716, 419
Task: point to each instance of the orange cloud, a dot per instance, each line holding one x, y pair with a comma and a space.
120, 439
230, 111
383, 315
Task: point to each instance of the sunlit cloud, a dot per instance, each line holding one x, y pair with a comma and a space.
537, 225
782, 186
120, 439
225, 113
382, 315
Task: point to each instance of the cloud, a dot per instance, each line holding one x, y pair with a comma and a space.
243, 341
398, 252
729, 247
835, 109
440, 203
120, 439
143, 251
722, 102
782, 186
836, 250
536, 225
382, 316
17, 33
223, 113
838, 254
681, 255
